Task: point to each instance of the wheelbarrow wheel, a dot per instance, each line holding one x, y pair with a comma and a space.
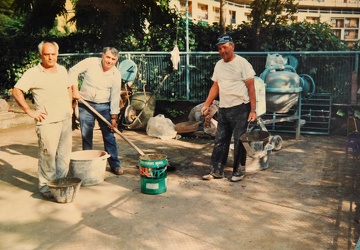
276, 141
130, 114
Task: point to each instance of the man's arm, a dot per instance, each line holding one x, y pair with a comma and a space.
74, 72
250, 84
20, 99
213, 93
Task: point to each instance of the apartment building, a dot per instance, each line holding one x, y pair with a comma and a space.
342, 15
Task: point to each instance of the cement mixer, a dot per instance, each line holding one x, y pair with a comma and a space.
285, 90
282, 88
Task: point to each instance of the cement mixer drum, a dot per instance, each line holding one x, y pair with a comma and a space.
282, 89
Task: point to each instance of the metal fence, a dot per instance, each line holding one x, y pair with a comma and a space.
334, 72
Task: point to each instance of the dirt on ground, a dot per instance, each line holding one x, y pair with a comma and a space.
308, 198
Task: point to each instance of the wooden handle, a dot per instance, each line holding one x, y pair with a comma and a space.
109, 124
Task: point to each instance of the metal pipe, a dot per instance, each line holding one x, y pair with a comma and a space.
187, 54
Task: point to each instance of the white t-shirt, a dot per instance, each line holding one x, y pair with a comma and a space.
231, 77
49, 90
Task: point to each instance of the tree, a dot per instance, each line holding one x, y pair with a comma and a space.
5, 7
222, 16
266, 14
112, 20
39, 14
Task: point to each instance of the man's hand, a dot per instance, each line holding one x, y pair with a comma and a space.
113, 124
37, 115
252, 116
204, 110
75, 93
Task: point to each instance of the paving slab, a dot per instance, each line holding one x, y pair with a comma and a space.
307, 199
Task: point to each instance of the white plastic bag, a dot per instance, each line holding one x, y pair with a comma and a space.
195, 113
212, 129
161, 127
275, 60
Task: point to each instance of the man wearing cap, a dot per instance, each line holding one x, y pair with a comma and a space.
233, 82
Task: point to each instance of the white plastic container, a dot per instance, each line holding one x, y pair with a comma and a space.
89, 166
260, 92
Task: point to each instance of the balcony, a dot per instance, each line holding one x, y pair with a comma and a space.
330, 3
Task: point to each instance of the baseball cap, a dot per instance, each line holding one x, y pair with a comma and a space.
225, 38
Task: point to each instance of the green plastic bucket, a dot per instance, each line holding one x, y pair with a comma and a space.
153, 173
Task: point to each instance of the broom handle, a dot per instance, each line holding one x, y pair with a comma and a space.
110, 125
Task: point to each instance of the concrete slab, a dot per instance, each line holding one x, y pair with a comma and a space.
307, 199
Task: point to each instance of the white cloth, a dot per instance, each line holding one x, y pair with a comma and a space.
49, 90
231, 77
175, 57
98, 86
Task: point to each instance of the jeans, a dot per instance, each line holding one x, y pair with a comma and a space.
231, 122
55, 146
87, 123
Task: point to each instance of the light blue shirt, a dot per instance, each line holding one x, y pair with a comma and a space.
98, 86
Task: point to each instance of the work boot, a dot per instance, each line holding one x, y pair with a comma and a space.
238, 174
216, 172
117, 171
208, 177
235, 178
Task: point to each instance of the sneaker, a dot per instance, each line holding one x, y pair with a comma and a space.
235, 178
47, 195
118, 171
208, 177
212, 176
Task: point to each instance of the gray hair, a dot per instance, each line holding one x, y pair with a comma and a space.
40, 46
113, 51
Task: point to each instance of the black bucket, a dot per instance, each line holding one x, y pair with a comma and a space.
255, 142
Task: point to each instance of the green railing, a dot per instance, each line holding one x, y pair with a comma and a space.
334, 72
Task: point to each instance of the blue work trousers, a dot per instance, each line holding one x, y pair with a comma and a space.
87, 124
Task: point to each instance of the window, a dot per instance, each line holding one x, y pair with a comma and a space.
232, 17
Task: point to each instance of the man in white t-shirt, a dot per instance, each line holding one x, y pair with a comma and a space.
51, 89
233, 83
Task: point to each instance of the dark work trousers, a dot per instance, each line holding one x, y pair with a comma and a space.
231, 122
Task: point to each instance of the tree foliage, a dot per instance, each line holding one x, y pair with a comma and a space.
39, 15
5, 7
302, 36
267, 14
114, 20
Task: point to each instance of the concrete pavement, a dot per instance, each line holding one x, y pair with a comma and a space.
307, 199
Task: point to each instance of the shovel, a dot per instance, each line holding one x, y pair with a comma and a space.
109, 124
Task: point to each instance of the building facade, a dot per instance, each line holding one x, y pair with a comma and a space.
342, 15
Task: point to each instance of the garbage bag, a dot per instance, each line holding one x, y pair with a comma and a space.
161, 127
